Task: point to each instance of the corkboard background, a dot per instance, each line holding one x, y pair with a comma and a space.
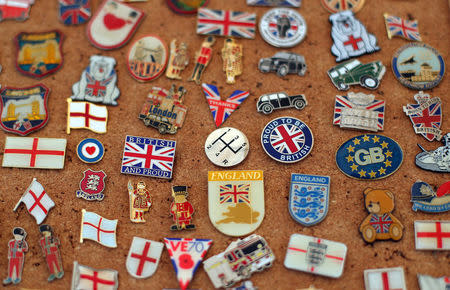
346, 202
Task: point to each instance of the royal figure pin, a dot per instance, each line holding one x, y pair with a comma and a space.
178, 60
181, 209
17, 248
50, 249
140, 201
232, 54
202, 59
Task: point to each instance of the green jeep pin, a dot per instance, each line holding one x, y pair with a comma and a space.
353, 72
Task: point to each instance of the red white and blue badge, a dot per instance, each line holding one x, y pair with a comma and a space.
226, 23
72, 12
90, 150
92, 185
287, 139
425, 199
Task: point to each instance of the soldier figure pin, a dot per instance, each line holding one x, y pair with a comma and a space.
50, 249
140, 201
232, 59
202, 59
16, 256
181, 209
178, 60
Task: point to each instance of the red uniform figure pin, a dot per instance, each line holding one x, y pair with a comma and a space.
202, 59
181, 209
50, 249
16, 256
140, 201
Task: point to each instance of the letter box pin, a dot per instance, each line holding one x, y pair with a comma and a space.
140, 201
232, 59
16, 256
50, 249
203, 58
178, 60
181, 209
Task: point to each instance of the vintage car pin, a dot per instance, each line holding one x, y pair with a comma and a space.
285, 3
178, 60
232, 54
181, 209
98, 82
39, 54
84, 277
113, 24
386, 278
147, 58
315, 255
437, 160
220, 109
239, 261
24, 110
282, 27
164, 110
186, 255
369, 157
143, 257
397, 26
418, 66
27, 152
90, 150
50, 249
17, 10
148, 157
353, 72
283, 63
140, 201
380, 224
334, 6
73, 12
425, 199
226, 23
308, 198
350, 37
359, 111
17, 248
85, 115
97, 228
426, 116
275, 101
226, 147
92, 185
427, 282
236, 201
202, 59
287, 139
186, 6
432, 235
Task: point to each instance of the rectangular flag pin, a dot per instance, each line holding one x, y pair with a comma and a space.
432, 235
85, 115
386, 279
84, 277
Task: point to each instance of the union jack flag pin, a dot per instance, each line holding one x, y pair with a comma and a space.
143, 257
386, 279
432, 235
72, 12
397, 26
226, 23
92, 185
85, 277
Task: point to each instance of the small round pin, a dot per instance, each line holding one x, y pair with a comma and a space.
90, 150
226, 147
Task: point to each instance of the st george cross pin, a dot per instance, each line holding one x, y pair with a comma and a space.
143, 257
386, 278
73, 12
97, 228
92, 185
432, 235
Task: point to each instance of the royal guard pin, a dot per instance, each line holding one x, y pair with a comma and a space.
86, 115
186, 6
427, 282
359, 111
226, 23
50, 249
386, 278
143, 257
397, 26
432, 235
426, 116
17, 10
226, 147
236, 201
16, 256
181, 209
380, 224
308, 198
23, 110
350, 37
39, 54
334, 6
113, 24
73, 12
202, 59
353, 72
90, 150
425, 199
286, 3
178, 60
140, 201
283, 63
232, 54
92, 185
97, 228
275, 101
98, 82
369, 157
239, 261
84, 277
164, 110
437, 160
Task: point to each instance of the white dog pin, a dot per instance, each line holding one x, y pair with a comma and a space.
98, 82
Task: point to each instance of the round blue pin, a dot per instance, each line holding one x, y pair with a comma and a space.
287, 139
90, 150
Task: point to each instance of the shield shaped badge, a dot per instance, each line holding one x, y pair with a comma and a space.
308, 198
143, 257
236, 201
113, 24
92, 185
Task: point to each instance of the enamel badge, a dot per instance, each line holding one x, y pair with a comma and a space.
50, 249
113, 24
404, 28
334, 6
283, 63
39, 54
84, 277
24, 110
73, 12
90, 150
17, 248
236, 201
226, 23
427, 282
353, 72
178, 60
308, 198
386, 278
15, 9
85, 115
437, 160
202, 59
425, 199
186, 6
181, 209
432, 235
267, 103
92, 185
232, 54
97, 228
286, 3
143, 257
226, 147
140, 201
98, 82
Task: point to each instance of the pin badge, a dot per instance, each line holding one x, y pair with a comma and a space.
181, 209
39, 54
178, 60
19, 11
285, 3
226, 23
386, 278
287, 139
353, 72
283, 63
232, 54
50, 249
24, 110
113, 24
90, 150
425, 199
92, 185
432, 235
97, 228
17, 248
85, 115
334, 6
282, 27
202, 59
84, 277
143, 257
186, 6
140, 201
246, 285
236, 201
73, 12
427, 282
418, 66
228, 268
98, 82
275, 101
369, 157
437, 160
404, 28
359, 111
350, 37
226, 147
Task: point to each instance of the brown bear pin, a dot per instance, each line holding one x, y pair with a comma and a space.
380, 224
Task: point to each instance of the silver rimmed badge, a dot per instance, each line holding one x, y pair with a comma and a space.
226, 147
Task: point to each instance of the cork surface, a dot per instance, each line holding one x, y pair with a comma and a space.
346, 209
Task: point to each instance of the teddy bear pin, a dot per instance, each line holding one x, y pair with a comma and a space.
380, 224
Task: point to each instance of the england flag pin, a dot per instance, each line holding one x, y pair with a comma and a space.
143, 257
386, 278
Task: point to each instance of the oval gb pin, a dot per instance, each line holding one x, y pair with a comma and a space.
226, 147
90, 150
